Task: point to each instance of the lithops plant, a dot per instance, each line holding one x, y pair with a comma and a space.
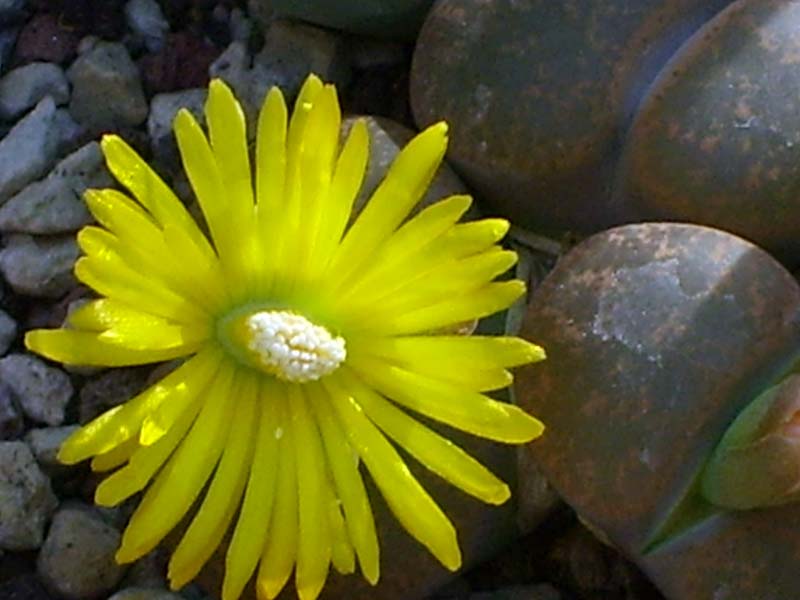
583, 115
672, 406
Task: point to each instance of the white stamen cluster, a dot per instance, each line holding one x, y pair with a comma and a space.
292, 347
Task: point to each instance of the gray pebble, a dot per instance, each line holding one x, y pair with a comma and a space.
55, 204
77, 558
33, 145
146, 20
106, 89
293, 50
26, 500
42, 391
8, 331
110, 389
241, 27
11, 423
39, 266
163, 109
386, 139
233, 66
23, 87
141, 593
46, 441
148, 572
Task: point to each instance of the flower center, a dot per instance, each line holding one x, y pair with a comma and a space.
286, 345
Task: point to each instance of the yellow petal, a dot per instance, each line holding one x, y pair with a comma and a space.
314, 536
466, 239
142, 245
348, 176
249, 536
316, 161
148, 188
105, 271
125, 326
408, 241
226, 128
224, 494
204, 175
122, 423
473, 362
270, 184
349, 485
280, 551
286, 243
116, 456
450, 279
342, 556
468, 352
401, 189
87, 348
475, 304
144, 463
438, 454
180, 481
455, 406
407, 499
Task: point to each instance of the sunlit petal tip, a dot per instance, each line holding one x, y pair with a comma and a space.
69, 452
127, 555
110, 141
310, 591
184, 121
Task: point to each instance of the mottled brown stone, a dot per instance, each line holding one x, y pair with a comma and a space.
537, 94
717, 141
657, 335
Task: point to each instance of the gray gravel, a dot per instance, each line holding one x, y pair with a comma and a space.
26, 500
46, 441
55, 204
106, 89
39, 266
77, 558
11, 423
163, 108
41, 390
22, 88
146, 20
33, 146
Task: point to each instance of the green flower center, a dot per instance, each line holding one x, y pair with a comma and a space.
282, 343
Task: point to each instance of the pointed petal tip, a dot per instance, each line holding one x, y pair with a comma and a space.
126, 555
310, 591
451, 558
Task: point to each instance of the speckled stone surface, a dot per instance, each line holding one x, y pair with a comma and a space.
657, 336
717, 141
538, 93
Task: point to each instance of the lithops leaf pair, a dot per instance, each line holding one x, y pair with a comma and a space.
671, 401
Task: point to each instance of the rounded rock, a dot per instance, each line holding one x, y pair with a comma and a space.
106, 89
77, 558
717, 141
538, 94
657, 335
43, 391
382, 18
26, 499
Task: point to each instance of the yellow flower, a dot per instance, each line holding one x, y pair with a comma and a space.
309, 345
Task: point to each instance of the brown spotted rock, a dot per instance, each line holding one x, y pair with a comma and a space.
657, 335
717, 141
537, 94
